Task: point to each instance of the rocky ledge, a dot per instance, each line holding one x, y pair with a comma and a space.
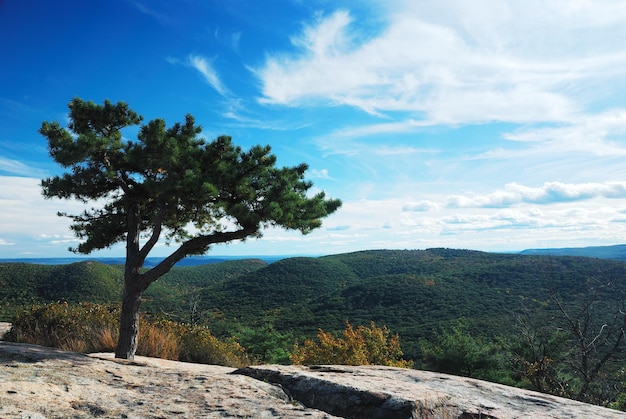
39, 382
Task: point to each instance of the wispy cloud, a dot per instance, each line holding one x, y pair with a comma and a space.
400, 150
19, 168
453, 64
549, 193
14, 109
162, 18
205, 68
593, 134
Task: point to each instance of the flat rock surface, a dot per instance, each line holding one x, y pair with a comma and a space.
385, 392
39, 382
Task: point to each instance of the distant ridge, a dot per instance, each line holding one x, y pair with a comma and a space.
616, 252
150, 262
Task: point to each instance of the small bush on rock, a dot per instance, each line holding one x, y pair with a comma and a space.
361, 346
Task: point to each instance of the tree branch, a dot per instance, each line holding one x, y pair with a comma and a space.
194, 246
154, 237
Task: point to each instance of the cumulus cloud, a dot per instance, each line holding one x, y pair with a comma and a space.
549, 193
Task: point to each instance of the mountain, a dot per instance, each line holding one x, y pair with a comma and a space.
617, 252
23, 283
416, 293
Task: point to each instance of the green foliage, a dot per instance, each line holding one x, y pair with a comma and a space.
23, 284
361, 346
163, 183
619, 401
170, 178
456, 351
285, 288
177, 293
265, 344
414, 293
506, 301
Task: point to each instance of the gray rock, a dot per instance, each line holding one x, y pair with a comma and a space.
385, 392
39, 382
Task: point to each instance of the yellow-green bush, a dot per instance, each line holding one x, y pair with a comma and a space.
81, 328
361, 346
94, 328
199, 345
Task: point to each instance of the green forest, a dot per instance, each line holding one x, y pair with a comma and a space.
550, 323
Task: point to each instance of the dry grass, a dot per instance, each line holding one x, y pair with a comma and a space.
94, 328
157, 342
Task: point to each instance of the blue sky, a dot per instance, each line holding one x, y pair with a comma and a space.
494, 125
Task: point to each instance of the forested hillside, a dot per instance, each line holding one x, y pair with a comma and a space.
551, 323
24, 284
415, 293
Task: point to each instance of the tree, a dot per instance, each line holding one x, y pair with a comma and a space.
168, 184
572, 345
596, 327
458, 352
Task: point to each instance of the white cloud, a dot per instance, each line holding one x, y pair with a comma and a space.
516, 61
421, 206
29, 221
549, 193
594, 134
400, 150
319, 174
161, 18
208, 73
19, 168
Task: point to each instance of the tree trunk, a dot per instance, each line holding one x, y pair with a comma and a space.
129, 323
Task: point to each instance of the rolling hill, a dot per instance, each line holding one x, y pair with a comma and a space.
415, 293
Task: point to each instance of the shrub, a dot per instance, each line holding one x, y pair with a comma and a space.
80, 328
199, 345
361, 346
94, 328
265, 344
